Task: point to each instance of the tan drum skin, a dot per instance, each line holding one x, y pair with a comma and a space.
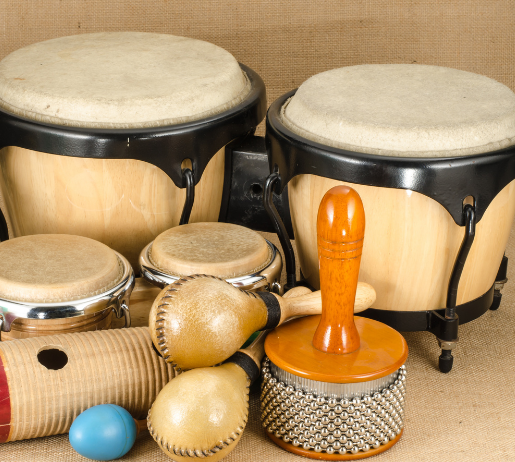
411, 243
124, 204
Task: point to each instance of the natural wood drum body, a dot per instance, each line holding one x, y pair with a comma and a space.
41, 396
123, 203
411, 243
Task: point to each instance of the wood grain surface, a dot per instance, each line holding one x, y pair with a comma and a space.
340, 232
410, 245
123, 203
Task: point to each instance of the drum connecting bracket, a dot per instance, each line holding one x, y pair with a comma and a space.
246, 170
500, 280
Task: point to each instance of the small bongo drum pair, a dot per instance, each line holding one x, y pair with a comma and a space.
57, 283
430, 150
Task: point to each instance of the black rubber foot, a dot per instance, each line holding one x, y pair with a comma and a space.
496, 302
445, 361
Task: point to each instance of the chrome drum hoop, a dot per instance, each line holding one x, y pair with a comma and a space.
265, 279
115, 298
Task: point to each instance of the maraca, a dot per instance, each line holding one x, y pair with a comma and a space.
201, 320
104, 432
203, 412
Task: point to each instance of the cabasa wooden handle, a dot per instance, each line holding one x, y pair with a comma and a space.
340, 233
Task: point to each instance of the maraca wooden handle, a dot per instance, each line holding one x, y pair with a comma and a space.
340, 233
141, 426
305, 304
256, 350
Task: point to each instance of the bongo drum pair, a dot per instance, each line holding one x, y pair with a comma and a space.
430, 151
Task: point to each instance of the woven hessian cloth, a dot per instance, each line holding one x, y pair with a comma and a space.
466, 415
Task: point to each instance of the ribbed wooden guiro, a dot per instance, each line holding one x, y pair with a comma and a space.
334, 384
46, 382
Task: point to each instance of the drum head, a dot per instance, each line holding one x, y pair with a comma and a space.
218, 249
404, 110
121, 80
48, 268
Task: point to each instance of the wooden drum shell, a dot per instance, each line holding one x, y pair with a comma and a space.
115, 366
124, 204
411, 243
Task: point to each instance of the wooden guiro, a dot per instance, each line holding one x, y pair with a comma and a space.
46, 382
347, 370
201, 320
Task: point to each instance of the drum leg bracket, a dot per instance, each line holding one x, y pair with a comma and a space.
188, 182
446, 332
500, 280
289, 256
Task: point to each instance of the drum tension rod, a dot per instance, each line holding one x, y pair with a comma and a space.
445, 328
280, 229
188, 182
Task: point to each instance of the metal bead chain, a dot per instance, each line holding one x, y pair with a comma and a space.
329, 424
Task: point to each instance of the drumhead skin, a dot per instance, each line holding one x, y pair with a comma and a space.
56, 267
218, 249
405, 110
120, 80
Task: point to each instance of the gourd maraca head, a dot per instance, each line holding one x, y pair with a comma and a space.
201, 320
201, 413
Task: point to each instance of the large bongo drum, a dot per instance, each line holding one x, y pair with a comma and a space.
57, 283
430, 151
239, 255
119, 136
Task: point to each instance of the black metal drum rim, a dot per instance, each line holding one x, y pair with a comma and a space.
165, 147
447, 180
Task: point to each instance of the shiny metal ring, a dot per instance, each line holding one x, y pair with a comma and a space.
262, 279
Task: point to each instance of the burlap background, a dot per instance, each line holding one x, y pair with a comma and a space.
468, 415
287, 41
